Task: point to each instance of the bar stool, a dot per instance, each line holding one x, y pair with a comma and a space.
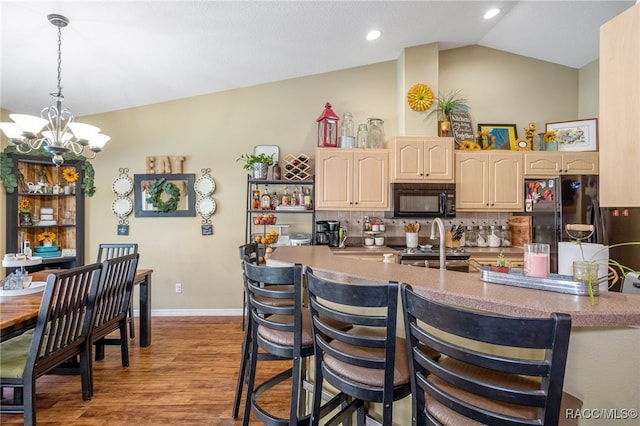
282, 331
482, 378
366, 363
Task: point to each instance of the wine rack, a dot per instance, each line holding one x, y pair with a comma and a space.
297, 167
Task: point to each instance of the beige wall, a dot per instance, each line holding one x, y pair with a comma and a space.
213, 130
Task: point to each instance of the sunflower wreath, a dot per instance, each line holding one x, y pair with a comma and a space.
420, 97
160, 186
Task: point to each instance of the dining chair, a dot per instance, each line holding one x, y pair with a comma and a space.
494, 370
366, 363
277, 332
111, 300
61, 333
111, 250
250, 250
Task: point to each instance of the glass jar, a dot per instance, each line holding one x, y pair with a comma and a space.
482, 237
346, 138
471, 237
362, 140
505, 235
376, 133
493, 238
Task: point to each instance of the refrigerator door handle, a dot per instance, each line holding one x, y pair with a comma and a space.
598, 222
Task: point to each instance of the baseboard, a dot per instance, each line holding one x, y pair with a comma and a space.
192, 312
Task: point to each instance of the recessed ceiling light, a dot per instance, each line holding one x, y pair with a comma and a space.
491, 13
373, 35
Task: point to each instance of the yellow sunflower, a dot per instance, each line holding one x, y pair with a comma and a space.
469, 145
420, 97
549, 136
47, 237
69, 174
24, 205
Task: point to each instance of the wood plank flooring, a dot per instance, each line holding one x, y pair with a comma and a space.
186, 377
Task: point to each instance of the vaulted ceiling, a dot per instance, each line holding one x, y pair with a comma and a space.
121, 54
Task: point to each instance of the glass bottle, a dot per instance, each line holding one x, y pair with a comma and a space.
275, 200
265, 200
366, 224
26, 249
307, 198
294, 199
277, 172
255, 198
376, 133
301, 197
346, 139
285, 200
363, 136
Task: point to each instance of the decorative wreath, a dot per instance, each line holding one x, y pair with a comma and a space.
420, 97
155, 195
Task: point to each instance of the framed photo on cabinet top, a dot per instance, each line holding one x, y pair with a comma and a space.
501, 136
579, 135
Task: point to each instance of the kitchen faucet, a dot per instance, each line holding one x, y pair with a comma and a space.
438, 221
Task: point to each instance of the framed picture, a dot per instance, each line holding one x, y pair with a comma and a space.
164, 195
501, 136
580, 135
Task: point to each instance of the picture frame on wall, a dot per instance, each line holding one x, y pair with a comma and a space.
502, 136
578, 135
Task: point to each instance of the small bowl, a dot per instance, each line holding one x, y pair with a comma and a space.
368, 241
425, 247
379, 241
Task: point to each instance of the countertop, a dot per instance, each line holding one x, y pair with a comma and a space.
457, 288
473, 251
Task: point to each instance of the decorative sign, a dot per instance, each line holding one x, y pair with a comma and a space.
123, 229
461, 126
207, 229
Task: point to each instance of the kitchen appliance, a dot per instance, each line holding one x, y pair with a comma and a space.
322, 232
333, 229
300, 239
456, 260
423, 200
621, 225
631, 283
554, 202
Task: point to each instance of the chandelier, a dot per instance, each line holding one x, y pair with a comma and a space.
55, 130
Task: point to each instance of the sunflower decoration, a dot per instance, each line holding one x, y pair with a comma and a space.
469, 145
47, 237
549, 136
70, 174
24, 205
420, 97
487, 139
524, 144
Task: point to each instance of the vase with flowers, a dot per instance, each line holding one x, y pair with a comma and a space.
70, 175
47, 238
549, 141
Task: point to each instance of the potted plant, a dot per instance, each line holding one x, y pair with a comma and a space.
501, 264
444, 106
258, 163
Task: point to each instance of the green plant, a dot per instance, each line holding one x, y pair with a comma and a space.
501, 261
251, 159
444, 105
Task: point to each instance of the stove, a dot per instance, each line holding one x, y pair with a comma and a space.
455, 260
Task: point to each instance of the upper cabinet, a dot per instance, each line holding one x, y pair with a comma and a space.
489, 181
421, 159
619, 137
352, 179
554, 163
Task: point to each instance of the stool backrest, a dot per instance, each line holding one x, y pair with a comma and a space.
485, 365
111, 250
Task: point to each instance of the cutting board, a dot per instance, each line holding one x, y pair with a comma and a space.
521, 230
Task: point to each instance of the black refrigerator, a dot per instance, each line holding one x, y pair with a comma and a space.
554, 202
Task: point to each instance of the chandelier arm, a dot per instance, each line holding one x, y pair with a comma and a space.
19, 146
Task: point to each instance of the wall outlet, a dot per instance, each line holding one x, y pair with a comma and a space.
178, 287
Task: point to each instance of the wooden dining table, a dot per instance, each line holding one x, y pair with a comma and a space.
19, 313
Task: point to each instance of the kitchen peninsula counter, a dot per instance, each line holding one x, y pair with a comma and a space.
603, 364
456, 288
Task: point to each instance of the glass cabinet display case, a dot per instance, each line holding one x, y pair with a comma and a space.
47, 209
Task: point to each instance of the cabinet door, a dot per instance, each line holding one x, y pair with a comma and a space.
472, 176
583, 163
438, 159
506, 180
334, 170
371, 180
542, 164
408, 158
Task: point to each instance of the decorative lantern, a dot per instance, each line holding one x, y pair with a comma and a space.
328, 128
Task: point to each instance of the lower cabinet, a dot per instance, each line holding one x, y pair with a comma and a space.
514, 261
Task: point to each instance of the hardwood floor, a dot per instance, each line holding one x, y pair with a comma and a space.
186, 377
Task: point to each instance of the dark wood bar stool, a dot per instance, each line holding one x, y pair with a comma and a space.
482, 377
366, 363
278, 331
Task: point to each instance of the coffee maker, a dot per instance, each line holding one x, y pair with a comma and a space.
322, 232
333, 229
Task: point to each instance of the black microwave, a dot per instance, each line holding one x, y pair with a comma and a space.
423, 199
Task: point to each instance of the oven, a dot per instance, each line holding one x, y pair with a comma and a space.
423, 200
455, 260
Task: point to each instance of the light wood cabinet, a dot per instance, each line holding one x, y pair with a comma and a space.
352, 179
619, 132
560, 163
478, 261
489, 181
422, 159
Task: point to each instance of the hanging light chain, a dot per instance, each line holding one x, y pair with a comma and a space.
59, 94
